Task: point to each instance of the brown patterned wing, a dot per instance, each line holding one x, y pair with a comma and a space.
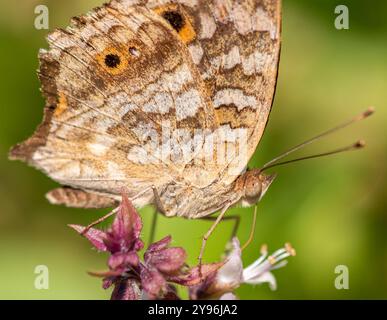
132, 80
115, 82
235, 45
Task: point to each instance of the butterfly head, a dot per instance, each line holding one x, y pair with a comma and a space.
255, 186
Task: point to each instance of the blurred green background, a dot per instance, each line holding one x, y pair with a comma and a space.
332, 210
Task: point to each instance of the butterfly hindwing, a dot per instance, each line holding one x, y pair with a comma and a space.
236, 46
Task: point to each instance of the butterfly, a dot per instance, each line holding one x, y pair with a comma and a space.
168, 99
130, 69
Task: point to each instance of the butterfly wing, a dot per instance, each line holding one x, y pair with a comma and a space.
116, 82
132, 80
236, 48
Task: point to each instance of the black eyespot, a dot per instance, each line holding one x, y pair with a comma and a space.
175, 19
112, 60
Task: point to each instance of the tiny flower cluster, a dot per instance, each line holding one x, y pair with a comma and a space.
133, 279
163, 267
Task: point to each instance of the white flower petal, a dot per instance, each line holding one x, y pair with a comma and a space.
262, 278
228, 296
231, 273
255, 270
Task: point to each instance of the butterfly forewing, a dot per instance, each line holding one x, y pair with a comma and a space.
172, 94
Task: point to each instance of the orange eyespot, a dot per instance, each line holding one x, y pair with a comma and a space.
113, 60
178, 20
116, 60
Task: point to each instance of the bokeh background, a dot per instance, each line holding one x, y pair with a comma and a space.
332, 210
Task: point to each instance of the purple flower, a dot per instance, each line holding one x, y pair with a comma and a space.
126, 289
132, 279
122, 239
160, 262
163, 265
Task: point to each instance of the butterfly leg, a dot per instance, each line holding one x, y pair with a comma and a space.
153, 227
208, 234
158, 203
114, 211
236, 219
154, 220
159, 206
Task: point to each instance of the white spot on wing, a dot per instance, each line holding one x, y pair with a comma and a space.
242, 19
100, 145
236, 97
208, 26
118, 105
97, 149
118, 99
179, 78
162, 102
232, 58
262, 22
257, 62
187, 104
196, 51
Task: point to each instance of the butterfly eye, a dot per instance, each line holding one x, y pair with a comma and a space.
175, 19
253, 187
112, 60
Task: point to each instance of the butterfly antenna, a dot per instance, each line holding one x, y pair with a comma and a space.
354, 146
